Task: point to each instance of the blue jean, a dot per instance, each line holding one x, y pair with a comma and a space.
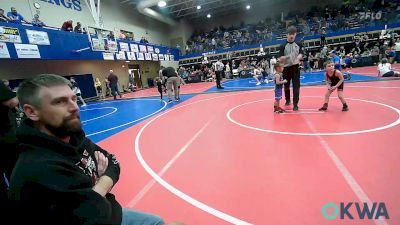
132, 217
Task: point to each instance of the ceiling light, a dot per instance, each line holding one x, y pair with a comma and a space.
247, 7
199, 7
208, 15
162, 4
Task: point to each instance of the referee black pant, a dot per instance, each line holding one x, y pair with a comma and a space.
292, 73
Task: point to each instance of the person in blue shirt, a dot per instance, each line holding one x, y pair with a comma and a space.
37, 22
15, 16
336, 60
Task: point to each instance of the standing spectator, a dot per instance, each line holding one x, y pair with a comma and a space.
163, 79
335, 59
60, 174
323, 35
77, 90
37, 22
397, 49
290, 54
113, 79
8, 121
3, 18
67, 26
15, 17
272, 62
181, 82
78, 28
390, 54
99, 88
107, 86
228, 73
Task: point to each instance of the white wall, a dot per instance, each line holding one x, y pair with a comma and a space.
184, 29
115, 16
174, 64
22, 69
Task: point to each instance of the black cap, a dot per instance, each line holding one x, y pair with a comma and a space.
5, 93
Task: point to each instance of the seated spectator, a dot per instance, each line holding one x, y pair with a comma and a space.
78, 28
385, 69
111, 36
37, 22
122, 36
390, 54
15, 17
3, 18
67, 26
257, 75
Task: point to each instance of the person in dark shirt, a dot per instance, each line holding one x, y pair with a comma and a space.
78, 28
113, 79
3, 18
8, 121
67, 26
291, 53
172, 81
159, 87
61, 177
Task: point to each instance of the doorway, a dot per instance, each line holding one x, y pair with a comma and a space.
135, 70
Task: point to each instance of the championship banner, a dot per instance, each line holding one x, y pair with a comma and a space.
10, 34
142, 48
120, 56
140, 56
131, 55
134, 47
38, 37
155, 57
4, 53
25, 51
108, 56
124, 47
148, 56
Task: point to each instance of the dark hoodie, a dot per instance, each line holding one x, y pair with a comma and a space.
8, 124
52, 181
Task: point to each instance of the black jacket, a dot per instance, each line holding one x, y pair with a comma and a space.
52, 181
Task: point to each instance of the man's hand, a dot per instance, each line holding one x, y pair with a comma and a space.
283, 59
102, 163
103, 185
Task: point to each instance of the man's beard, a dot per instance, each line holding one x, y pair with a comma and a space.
69, 126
